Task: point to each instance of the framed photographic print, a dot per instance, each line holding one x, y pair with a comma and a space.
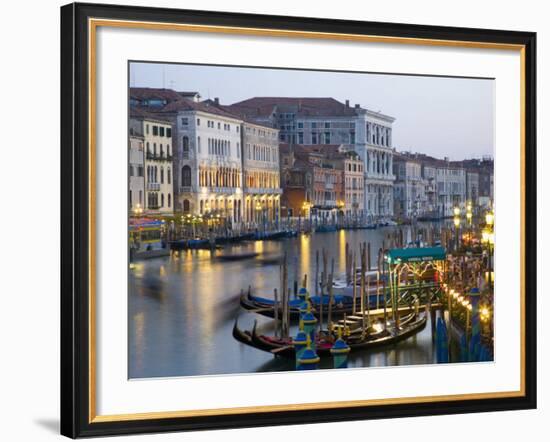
279, 220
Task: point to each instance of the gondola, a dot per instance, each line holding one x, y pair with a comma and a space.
411, 324
343, 304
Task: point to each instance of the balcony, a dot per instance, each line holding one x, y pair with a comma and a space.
158, 157
153, 186
185, 189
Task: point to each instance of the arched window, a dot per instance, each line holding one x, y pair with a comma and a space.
155, 149
186, 206
162, 200
148, 147
162, 175
169, 199
169, 176
186, 176
185, 147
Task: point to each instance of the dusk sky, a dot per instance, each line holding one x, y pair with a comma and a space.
451, 117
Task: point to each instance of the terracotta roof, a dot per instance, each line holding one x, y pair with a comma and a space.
142, 114
236, 111
301, 106
188, 105
141, 93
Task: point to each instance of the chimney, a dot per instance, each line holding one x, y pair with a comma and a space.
217, 101
356, 106
347, 103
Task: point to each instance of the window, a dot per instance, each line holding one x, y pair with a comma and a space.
352, 138
185, 121
147, 129
300, 138
168, 149
327, 137
186, 206
219, 125
186, 176
169, 132
314, 138
162, 175
155, 130
198, 121
314, 125
238, 129
327, 125
185, 147
169, 176
199, 144
300, 125
131, 170
162, 200
161, 131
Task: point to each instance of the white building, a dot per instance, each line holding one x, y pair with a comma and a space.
157, 168
208, 178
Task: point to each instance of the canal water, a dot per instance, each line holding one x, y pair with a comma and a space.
182, 308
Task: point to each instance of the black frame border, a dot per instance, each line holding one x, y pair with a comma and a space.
75, 220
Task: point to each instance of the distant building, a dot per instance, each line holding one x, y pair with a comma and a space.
410, 188
313, 180
156, 98
354, 187
317, 121
136, 182
157, 138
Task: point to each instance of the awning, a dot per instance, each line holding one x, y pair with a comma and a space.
415, 254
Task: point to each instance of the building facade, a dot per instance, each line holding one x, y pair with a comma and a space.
157, 165
261, 173
354, 182
136, 180
208, 179
410, 188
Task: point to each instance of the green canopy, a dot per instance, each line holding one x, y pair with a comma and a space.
415, 254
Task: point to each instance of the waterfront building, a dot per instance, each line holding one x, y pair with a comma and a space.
313, 180
136, 181
156, 98
472, 187
317, 121
157, 167
410, 196
354, 179
261, 183
261, 172
207, 159
484, 169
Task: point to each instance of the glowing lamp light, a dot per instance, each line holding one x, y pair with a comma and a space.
456, 221
489, 218
456, 211
485, 236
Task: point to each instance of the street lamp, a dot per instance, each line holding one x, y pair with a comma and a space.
489, 219
138, 210
456, 211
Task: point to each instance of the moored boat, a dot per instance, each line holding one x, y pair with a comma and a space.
410, 325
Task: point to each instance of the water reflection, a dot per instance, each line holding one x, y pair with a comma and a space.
182, 308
